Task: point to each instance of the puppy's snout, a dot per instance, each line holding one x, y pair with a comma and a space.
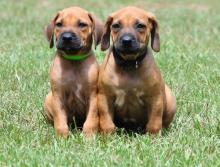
68, 36
69, 42
127, 40
127, 44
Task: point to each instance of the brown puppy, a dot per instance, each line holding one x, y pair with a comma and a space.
74, 71
132, 93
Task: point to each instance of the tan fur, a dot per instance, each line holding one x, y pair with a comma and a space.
73, 95
137, 95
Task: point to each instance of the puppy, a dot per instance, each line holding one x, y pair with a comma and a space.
131, 91
74, 71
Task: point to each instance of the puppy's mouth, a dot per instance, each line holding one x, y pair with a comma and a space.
129, 61
69, 43
70, 49
127, 53
127, 46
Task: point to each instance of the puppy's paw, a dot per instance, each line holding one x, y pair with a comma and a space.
62, 132
153, 129
108, 128
90, 129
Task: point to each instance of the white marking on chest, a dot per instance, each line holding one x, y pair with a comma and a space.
120, 98
139, 94
78, 89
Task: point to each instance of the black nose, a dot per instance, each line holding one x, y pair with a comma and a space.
68, 36
127, 40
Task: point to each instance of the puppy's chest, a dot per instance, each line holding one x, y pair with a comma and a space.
75, 89
128, 91
132, 97
75, 98
130, 104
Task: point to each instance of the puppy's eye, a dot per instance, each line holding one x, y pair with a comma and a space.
59, 24
140, 26
116, 27
82, 25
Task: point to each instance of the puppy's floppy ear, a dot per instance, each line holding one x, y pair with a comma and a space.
49, 31
155, 38
98, 28
105, 42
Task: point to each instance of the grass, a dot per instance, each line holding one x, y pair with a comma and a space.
189, 60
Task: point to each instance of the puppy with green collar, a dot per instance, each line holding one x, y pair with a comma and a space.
74, 71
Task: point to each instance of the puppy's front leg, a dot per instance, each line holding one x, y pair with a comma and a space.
155, 115
60, 117
106, 116
91, 125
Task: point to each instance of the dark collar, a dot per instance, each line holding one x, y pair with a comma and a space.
129, 64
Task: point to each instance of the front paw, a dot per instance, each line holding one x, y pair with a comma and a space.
89, 129
153, 129
107, 128
62, 132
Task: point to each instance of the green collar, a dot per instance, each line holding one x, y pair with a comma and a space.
76, 57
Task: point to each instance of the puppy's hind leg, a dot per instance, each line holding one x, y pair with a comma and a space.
170, 110
48, 108
56, 114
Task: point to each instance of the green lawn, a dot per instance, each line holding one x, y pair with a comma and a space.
189, 60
